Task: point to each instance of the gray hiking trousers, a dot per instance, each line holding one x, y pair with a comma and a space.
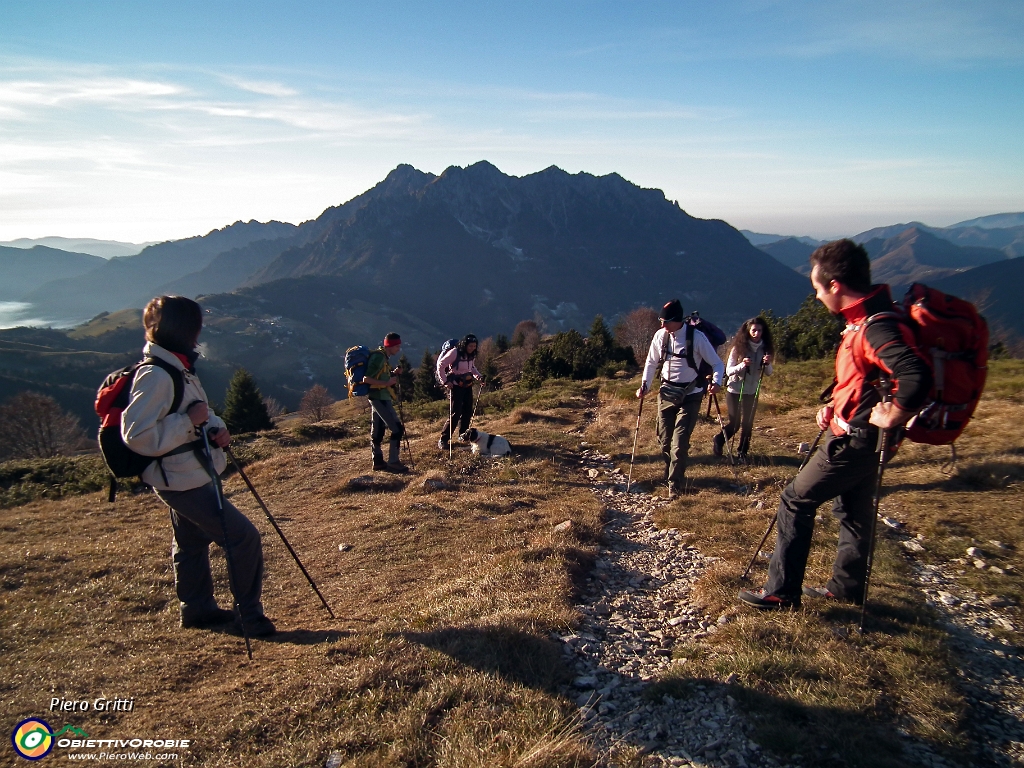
384, 415
196, 522
675, 425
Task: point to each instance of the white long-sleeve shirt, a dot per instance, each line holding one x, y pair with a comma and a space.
675, 368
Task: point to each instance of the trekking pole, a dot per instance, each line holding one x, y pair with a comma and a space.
743, 381
721, 425
749, 430
401, 415
273, 522
636, 434
451, 418
882, 458
775, 517
476, 402
218, 491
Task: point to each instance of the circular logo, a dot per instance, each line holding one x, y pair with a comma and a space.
32, 738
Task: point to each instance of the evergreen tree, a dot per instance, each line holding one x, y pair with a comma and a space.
406, 379
810, 334
501, 342
424, 386
491, 373
244, 410
600, 337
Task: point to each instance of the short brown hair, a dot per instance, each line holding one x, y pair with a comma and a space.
845, 262
173, 322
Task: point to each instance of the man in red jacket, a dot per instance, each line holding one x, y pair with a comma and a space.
872, 359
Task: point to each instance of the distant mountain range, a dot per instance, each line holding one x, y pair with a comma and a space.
435, 256
131, 281
915, 255
1004, 231
905, 253
106, 249
25, 270
470, 250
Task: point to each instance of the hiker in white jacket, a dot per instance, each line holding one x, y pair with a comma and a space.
752, 350
180, 474
681, 390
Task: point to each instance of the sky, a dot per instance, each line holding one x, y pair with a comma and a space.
145, 121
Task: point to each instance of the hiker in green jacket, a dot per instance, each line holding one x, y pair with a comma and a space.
381, 378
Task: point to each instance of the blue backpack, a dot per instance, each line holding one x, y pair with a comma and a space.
446, 347
356, 359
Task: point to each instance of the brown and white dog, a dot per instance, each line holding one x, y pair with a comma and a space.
485, 444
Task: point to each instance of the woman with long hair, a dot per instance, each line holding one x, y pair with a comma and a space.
752, 349
456, 369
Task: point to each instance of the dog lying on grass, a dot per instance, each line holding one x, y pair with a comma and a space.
485, 444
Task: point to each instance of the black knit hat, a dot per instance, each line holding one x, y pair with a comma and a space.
468, 339
672, 312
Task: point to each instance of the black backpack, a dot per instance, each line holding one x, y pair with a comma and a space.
704, 370
111, 399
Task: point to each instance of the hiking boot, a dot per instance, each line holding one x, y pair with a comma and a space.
442, 445
379, 465
676, 492
210, 618
398, 468
760, 598
717, 444
261, 627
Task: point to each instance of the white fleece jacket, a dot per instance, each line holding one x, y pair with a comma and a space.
741, 378
148, 428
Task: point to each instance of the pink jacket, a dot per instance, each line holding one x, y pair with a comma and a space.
450, 364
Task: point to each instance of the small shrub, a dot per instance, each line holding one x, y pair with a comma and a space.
29, 480
317, 431
316, 403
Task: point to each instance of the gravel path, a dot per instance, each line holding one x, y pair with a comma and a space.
991, 670
636, 608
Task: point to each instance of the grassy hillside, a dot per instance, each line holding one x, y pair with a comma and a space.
447, 593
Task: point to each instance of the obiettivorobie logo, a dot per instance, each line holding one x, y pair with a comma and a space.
34, 738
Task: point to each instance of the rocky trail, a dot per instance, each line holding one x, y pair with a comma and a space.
636, 608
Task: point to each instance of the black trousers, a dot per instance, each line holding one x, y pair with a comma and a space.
846, 473
462, 412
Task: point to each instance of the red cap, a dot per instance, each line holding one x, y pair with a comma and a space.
392, 340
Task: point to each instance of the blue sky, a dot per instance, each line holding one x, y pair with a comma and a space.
156, 120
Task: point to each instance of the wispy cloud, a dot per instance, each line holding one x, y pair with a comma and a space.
263, 87
19, 95
931, 30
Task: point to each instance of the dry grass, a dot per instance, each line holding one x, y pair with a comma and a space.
816, 686
441, 653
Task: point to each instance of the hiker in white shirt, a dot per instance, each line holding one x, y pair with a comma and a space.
682, 388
